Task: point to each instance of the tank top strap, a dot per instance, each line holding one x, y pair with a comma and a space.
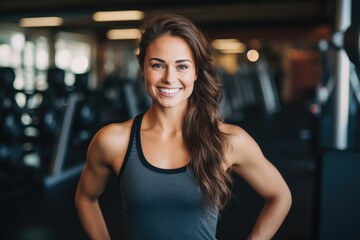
132, 140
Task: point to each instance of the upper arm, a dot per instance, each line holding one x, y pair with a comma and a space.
248, 161
105, 153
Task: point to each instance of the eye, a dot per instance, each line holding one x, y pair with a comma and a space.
182, 67
157, 66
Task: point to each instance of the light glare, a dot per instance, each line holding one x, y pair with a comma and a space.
229, 45
41, 22
117, 34
118, 16
252, 55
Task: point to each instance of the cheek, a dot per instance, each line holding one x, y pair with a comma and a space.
150, 81
149, 77
152, 75
148, 85
190, 79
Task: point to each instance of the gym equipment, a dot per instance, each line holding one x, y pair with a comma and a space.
352, 44
342, 73
16, 178
12, 129
338, 196
57, 171
338, 180
238, 92
53, 123
338, 97
122, 98
251, 88
269, 92
87, 118
75, 109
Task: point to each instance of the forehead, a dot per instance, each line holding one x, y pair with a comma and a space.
169, 46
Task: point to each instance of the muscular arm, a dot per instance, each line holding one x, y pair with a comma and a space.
87, 204
101, 158
265, 179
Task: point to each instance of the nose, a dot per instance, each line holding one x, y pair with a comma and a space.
170, 75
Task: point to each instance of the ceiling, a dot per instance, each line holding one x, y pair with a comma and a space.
208, 14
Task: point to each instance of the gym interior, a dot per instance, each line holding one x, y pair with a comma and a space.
290, 72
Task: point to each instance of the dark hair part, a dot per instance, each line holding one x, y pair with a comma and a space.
204, 140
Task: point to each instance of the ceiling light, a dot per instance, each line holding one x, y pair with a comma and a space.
118, 34
229, 45
252, 55
41, 22
118, 16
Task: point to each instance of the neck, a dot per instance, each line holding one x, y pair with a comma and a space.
166, 120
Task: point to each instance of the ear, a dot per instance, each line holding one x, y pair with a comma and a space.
195, 76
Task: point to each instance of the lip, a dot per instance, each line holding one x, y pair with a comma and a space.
169, 91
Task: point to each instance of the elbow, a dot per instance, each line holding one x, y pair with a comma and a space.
83, 200
285, 199
79, 199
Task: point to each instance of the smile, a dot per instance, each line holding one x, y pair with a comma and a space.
169, 90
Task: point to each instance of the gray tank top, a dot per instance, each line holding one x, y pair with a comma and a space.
161, 204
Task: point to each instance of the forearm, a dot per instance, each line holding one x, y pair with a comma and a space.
92, 219
270, 218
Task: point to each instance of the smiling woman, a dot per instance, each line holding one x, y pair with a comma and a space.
174, 160
169, 71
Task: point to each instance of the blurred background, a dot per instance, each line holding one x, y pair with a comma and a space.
290, 71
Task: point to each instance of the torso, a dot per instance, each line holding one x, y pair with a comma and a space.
158, 150
161, 203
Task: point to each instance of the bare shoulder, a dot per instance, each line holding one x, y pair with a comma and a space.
241, 146
236, 135
109, 145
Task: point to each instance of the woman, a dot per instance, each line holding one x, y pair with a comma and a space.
173, 162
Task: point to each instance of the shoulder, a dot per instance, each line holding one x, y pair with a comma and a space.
235, 135
109, 144
241, 145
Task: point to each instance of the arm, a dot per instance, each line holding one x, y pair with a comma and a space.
265, 179
101, 157
87, 204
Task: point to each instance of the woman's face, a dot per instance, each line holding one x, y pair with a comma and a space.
169, 71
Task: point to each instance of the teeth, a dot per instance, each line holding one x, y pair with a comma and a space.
169, 90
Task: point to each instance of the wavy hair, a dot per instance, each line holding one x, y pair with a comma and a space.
203, 138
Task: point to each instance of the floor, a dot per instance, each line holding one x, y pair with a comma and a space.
285, 140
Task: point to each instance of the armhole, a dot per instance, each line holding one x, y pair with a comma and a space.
130, 145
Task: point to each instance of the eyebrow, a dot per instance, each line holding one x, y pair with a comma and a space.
177, 61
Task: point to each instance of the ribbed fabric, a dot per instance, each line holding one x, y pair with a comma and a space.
161, 204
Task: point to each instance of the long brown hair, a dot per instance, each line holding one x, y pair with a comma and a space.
204, 140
